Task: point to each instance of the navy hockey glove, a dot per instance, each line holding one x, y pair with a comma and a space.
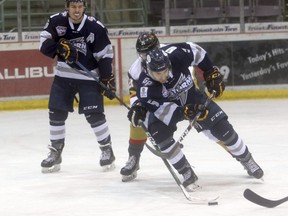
135, 114
111, 87
67, 51
214, 81
191, 110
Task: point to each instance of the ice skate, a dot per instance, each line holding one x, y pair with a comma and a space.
107, 158
52, 162
129, 171
252, 168
190, 179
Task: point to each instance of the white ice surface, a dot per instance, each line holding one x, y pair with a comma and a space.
82, 189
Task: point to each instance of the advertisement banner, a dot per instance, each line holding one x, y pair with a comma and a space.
25, 73
28, 72
8, 37
266, 27
212, 29
250, 62
205, 29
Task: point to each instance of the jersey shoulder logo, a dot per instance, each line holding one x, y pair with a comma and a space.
61, 30
143, 92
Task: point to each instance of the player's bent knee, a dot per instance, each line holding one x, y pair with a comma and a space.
95, 119
159, 131
225, 132
57, 117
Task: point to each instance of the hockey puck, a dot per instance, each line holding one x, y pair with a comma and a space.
212, 203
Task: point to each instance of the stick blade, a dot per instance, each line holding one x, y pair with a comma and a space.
255, 198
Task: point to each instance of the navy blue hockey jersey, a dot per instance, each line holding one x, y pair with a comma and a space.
165, 100
89, 37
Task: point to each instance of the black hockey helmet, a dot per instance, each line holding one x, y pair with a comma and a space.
158, 65
67, 2
146, 41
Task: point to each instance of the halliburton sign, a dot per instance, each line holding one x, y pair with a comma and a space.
25, 73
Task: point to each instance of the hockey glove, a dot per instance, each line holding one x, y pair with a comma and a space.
111, 87
135, 114
191, 110
67, 51
214, 81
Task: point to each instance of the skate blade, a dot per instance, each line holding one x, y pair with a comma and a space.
193, 187
129, 177
52, 169
109, 167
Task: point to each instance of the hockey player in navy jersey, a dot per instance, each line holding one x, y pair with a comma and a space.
145, 42
167, 95
73, 36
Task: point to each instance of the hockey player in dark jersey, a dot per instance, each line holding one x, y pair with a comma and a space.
73, 36
167, 95
147, 41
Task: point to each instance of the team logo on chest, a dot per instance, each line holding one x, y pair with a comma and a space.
183, 85
80, 44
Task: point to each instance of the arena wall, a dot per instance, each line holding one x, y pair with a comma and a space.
254, 65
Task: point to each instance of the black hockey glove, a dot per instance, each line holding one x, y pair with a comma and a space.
135, 114
67, 51
214, 81
111, 87
191, 110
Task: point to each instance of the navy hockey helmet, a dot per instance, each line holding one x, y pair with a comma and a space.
158, 65
146, 41
67, 2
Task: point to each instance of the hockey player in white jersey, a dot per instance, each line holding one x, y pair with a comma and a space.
73, 36
145, 42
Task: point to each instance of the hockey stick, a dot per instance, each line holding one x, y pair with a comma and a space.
90, 74
194, 200
257, 199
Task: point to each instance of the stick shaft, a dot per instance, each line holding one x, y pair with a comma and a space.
89, 73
